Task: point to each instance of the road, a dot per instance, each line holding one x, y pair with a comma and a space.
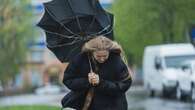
137, 100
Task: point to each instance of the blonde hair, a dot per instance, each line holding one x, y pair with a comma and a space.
101, 43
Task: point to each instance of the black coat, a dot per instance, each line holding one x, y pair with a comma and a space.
110, 93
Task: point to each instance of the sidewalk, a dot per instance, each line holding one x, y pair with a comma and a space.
52, 100
32, 99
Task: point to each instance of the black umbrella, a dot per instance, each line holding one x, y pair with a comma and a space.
70, 23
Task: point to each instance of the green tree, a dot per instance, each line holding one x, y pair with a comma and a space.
144, 22
15, 31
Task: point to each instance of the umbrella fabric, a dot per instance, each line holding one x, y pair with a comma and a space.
65, 10
60, 12
68, 24
66, 48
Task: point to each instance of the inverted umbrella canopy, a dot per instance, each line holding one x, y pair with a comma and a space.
66, 10
68, 24
69, 8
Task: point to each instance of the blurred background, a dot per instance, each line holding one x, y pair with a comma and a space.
158, 37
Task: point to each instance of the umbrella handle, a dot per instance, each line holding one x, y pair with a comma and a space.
91, 69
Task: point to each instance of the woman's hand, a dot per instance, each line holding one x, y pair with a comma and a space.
93, 79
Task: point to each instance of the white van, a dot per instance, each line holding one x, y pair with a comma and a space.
186, 86
160, 66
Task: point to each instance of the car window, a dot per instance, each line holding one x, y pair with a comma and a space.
177, 61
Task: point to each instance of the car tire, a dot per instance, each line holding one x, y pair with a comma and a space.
151, 92
165, 93
178, 93
192, 96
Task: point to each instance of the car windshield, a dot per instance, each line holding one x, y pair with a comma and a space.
177, 61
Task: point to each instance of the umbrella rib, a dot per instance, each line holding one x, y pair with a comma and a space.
77, 19
98, 33
53, 16
108, 32
91, 36
72, 51
91, 23
101, 31
65, 44
107, 26
64, 36
78, 23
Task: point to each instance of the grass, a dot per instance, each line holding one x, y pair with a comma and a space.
30, 108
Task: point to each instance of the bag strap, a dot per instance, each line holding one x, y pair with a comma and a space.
90, 93
88, 99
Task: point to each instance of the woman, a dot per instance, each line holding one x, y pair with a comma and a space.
109, 77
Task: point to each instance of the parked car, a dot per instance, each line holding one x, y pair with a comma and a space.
161, 65
186, 86
48, 89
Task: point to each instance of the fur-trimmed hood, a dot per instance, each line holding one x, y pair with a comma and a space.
101, 43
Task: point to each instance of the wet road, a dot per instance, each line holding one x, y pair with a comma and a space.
137, 100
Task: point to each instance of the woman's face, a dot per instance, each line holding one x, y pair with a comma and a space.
101, 56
